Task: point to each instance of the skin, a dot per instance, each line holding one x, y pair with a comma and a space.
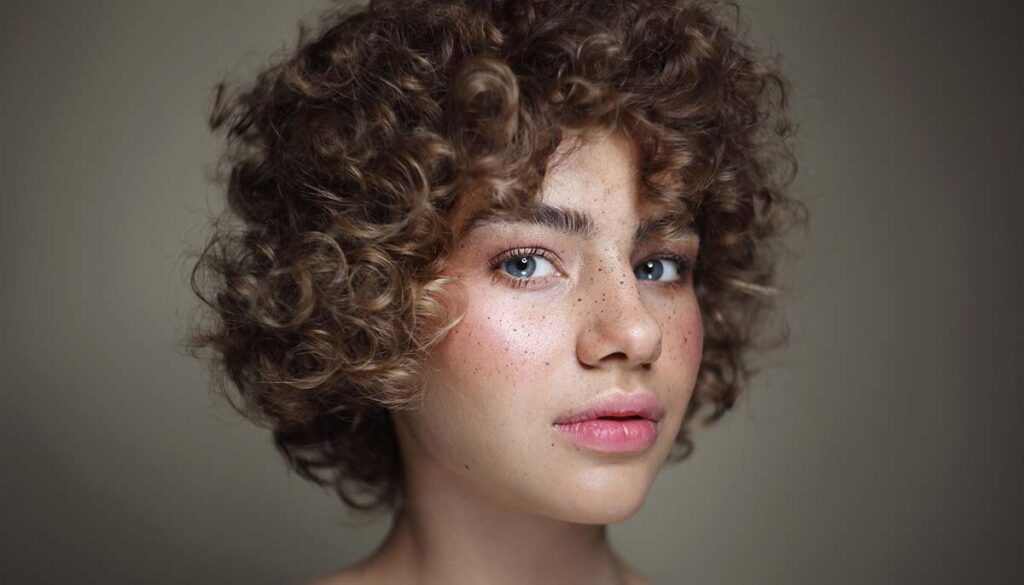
495, 493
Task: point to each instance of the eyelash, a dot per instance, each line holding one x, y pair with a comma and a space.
685, 266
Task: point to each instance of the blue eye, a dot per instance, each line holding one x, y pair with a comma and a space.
525, 266
655, 268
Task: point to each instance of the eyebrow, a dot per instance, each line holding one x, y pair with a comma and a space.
577, 223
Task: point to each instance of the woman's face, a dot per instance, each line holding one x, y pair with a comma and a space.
568, 323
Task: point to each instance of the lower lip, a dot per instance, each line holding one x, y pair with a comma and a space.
611, 435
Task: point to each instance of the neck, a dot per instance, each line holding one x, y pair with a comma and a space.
448, 532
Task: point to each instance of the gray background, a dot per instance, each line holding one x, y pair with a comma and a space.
884, 446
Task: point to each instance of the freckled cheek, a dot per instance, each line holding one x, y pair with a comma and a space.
501, 341
694, 336
682, 350
685, 343
492, 372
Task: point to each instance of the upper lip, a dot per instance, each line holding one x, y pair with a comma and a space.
617, 403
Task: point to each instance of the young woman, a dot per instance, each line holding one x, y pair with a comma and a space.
485, 262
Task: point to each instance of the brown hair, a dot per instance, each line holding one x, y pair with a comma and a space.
346, 158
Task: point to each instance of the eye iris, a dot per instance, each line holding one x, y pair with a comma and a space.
523, 266
650, 270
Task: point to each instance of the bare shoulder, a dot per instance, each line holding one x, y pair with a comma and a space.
634, 578
345, 577
376, 569
354, 575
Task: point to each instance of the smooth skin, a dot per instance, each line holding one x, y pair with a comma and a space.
495, 493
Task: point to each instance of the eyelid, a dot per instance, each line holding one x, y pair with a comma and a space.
686, 261
527, 250
538, 250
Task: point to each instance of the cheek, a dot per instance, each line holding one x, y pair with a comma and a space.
491, 376
692, 326
683, 344
501, 341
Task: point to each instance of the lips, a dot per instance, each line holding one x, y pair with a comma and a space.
617, 405
614, 423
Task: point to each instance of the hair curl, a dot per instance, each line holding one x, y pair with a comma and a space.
346, 158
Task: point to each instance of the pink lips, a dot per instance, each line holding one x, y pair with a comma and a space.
614, 423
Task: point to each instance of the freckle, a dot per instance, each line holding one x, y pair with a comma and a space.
547, 363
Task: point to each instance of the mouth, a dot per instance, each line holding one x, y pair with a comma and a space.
618, 406
613, 434
614, 423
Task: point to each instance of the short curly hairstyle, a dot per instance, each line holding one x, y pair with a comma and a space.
346, 158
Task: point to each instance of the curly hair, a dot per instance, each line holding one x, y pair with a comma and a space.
347, 156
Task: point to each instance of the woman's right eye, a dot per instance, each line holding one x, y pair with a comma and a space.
523, 266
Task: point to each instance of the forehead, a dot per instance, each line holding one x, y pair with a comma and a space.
589, 186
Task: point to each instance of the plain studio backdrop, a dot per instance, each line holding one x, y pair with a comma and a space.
883, 446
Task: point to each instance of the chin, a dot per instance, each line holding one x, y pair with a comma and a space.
603, 496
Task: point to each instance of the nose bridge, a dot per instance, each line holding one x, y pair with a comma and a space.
617, 319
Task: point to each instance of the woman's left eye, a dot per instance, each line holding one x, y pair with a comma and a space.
656, 268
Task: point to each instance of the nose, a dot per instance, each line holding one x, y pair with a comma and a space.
617, 325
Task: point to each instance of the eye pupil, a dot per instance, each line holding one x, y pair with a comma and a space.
523, 266
651, 270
